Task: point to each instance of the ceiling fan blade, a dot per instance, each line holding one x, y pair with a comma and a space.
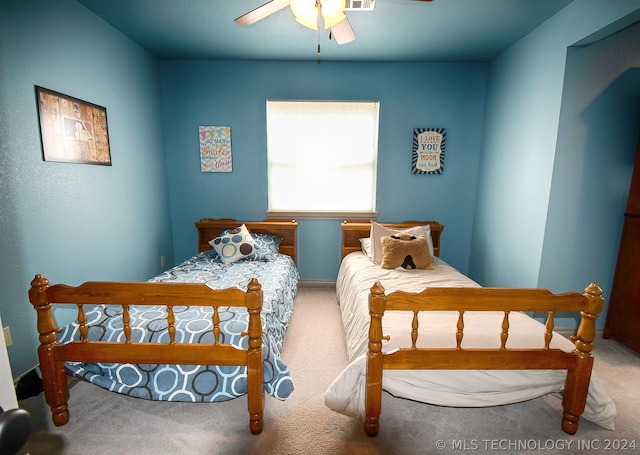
261, 12
342, 31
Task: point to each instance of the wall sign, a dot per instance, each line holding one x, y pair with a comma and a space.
428, 150
215, 149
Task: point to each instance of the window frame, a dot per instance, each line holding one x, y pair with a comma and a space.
326, 214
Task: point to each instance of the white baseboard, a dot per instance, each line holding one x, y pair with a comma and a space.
318, 283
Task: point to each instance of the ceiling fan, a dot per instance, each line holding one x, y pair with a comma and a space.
309, 13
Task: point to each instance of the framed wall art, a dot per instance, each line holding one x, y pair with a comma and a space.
72, 130
428, 150
215, 149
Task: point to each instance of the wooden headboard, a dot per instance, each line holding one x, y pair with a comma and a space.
210, 228
353, 231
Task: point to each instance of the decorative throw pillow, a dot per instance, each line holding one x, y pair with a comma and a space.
267, 246
378, 231
234, 245
406, 251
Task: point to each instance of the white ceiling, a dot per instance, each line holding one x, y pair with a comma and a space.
397, 30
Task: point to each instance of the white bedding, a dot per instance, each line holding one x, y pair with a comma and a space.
459, 388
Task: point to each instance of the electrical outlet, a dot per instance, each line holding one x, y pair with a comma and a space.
7, 336
163, 261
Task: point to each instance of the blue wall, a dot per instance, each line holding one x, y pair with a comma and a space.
597, 141
75, 222
515, 130
539, 221
411, 95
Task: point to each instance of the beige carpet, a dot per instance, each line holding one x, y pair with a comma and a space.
108, 423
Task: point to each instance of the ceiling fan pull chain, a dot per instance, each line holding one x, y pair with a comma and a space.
319, 6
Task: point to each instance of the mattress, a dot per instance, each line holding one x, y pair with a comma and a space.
197, 383
468, 388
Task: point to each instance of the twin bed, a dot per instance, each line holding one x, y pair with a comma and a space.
207, 330
450, 342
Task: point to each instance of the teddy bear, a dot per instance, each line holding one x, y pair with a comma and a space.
406, 251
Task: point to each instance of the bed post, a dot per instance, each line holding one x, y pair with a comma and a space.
255, 360
373, 392
54, 379
577, 384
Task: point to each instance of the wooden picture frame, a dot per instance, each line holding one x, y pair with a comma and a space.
72, 130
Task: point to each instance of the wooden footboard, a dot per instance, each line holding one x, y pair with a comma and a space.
578, 363
52, 354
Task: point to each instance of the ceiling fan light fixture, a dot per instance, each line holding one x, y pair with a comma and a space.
309, 22
332, 8
330, 22
306, 12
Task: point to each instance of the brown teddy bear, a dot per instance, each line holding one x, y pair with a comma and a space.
406, 251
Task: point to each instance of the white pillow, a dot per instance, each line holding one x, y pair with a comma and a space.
378, 231
234, 245
365, 243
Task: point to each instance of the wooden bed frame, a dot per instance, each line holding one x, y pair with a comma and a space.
53, 355
578, 363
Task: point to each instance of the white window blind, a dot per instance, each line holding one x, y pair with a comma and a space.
322, 156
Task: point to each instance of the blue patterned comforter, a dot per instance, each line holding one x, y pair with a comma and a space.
197, 383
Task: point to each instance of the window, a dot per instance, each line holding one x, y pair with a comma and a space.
322, 157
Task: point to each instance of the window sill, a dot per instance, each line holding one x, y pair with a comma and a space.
320, 215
